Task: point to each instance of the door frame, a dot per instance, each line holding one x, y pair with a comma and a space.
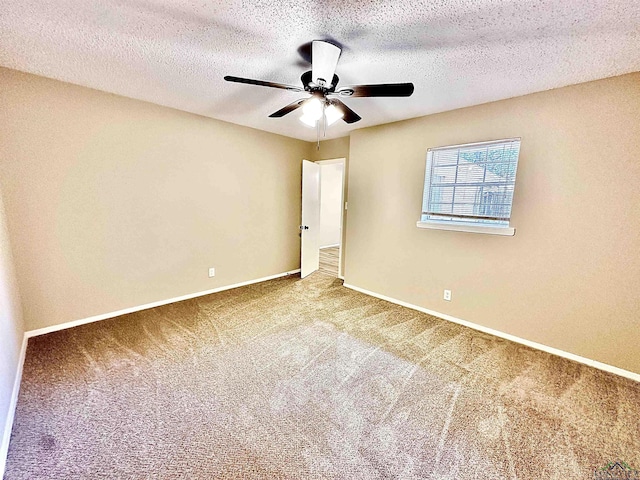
343, 161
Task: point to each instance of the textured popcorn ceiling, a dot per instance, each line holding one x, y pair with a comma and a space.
457, 52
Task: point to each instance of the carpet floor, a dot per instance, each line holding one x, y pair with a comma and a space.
293, 379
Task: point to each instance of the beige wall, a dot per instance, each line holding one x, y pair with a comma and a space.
114, 203
570, 276
329, 150
11, 333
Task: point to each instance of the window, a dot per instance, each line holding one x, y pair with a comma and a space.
470, 187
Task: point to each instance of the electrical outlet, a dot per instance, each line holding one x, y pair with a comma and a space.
212, 272
447, 295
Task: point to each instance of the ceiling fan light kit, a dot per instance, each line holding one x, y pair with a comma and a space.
316, 108
313, 108
323, 103
333, 114
309, 121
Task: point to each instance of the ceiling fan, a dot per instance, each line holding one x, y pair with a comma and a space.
324, 105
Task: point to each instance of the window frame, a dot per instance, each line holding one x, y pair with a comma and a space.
461, 225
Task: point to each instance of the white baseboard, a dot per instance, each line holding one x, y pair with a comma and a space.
538, 346
104, 316
6, 435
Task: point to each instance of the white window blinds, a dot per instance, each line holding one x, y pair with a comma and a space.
471, 183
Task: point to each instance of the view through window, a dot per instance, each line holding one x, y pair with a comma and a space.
471, 184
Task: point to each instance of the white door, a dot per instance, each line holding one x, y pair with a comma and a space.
310, 227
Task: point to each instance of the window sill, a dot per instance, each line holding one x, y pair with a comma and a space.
507, 231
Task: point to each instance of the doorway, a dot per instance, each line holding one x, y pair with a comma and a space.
322, 217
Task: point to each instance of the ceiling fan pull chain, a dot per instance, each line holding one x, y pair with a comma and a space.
324, 119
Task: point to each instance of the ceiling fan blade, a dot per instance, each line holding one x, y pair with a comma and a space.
262, 83
289, 108
377, 90
324, 60
349, 115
